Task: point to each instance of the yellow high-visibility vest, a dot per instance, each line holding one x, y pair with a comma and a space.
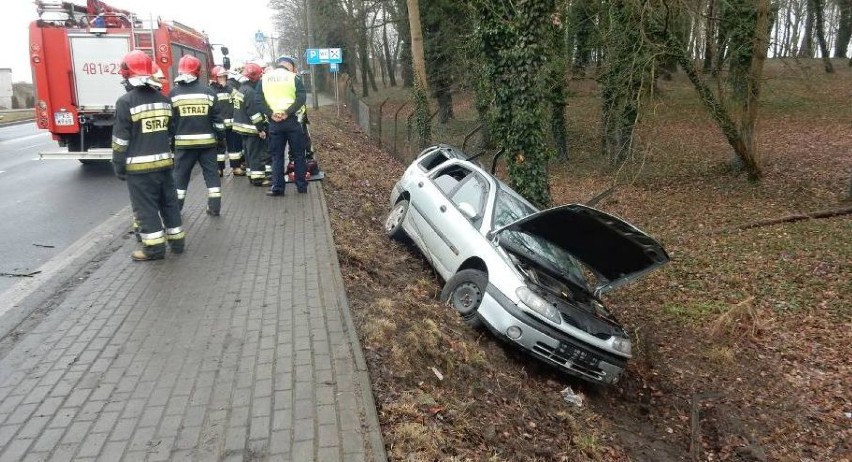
279, 90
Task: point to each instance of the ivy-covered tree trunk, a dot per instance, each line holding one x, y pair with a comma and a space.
557, 95
421, 116
628, 70
513, 37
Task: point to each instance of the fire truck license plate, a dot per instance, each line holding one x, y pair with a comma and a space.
63, 118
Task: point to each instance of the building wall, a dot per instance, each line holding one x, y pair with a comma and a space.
5, 88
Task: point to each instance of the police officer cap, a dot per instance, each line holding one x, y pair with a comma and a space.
286, 59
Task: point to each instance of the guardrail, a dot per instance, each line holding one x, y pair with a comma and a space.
16, 116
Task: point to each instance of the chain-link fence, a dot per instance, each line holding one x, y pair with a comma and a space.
389, 123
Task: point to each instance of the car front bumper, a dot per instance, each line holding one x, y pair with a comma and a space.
550, 345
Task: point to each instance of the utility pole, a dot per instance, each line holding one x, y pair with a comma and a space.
309, 20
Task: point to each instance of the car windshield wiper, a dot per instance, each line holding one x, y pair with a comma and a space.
530, 254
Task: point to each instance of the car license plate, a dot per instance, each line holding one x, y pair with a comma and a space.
63, 118
576, 355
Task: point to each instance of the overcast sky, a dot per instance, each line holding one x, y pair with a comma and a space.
231, 23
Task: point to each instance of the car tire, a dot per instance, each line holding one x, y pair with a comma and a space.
393, 222
464, 292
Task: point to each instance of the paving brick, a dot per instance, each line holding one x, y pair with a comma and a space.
33, 427
163, 360
112, 451
16, 449
92, 445
48, 439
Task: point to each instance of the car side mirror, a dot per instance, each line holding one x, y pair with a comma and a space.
467, 210
226, 62
224, 51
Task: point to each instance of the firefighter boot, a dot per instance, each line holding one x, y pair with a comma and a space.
140, 255
238, 172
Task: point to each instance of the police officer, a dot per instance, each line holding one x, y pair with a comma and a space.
219, 84
141, 155
198, 126
282, 96
250, 122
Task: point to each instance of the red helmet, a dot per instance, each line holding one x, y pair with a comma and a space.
189, 65
218, 71
136, 64
252, 72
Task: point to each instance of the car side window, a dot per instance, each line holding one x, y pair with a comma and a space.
472, 192
448, 178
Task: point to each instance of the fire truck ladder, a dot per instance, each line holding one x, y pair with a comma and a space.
143, 39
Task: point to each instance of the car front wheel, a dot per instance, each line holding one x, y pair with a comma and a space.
393, 223
464, 292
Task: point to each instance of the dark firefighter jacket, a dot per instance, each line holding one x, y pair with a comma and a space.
248, 120
141, 136
223, 102
198, 122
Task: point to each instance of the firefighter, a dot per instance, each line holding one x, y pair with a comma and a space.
234, 139
250, 122
198, 125
223, 102
141, 155
282, 97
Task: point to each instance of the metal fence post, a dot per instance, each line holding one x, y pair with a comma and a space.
395, 116
381, 120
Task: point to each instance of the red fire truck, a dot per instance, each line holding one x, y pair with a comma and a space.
76, 52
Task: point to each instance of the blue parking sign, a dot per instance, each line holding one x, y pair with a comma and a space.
312, 56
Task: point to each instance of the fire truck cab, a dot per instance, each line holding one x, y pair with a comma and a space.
76, 53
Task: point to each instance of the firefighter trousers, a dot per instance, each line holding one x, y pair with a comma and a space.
233, 150
156, 210
185, 160
282, 135
255, 151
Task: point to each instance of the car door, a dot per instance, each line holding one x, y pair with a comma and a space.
450, 229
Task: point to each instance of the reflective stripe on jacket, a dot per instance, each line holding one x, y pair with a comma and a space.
197, 117
141, 134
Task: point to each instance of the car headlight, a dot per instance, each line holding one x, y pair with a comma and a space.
622, 345
538, 304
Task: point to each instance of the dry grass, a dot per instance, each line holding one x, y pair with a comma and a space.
755, 316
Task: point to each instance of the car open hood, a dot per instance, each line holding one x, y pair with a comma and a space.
615, 250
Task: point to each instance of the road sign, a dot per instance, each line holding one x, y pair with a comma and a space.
335, 55
259, 37
333, 67
324, 55
312, 55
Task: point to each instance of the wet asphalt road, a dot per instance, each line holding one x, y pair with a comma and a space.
45, 206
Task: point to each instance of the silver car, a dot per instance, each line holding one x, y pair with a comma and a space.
526, 275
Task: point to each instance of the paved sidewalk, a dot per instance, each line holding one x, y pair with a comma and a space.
242, 348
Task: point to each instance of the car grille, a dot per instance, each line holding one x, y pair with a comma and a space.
573, 358
570, 321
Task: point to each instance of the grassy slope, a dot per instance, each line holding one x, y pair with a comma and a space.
759, 319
